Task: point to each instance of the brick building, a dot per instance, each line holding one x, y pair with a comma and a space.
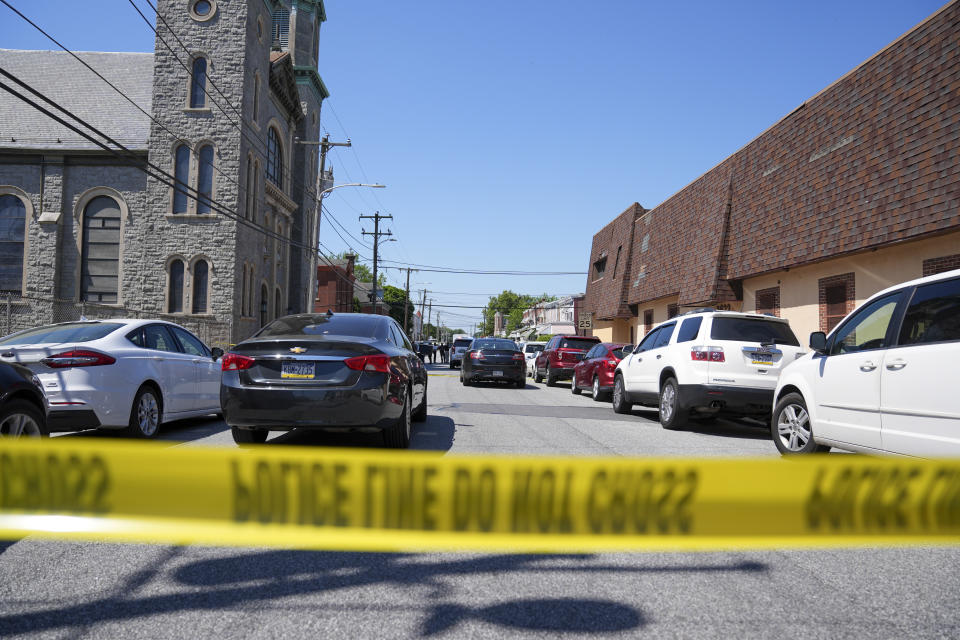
335, 286
218, 106
855, 190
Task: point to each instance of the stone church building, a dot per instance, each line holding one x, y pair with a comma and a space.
216, 237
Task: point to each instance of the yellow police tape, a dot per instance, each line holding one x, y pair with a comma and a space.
387, 501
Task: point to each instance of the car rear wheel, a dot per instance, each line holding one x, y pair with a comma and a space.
249, 436
146, 413
551, 378
791, 428
398, 436
672, 415
620, 404
595, 392
22, 419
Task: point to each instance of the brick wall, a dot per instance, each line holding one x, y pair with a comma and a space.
846, 279
934, 266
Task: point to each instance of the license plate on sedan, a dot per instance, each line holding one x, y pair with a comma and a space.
297, 370
497, 373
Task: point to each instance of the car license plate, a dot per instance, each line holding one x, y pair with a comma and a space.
497, 373
297, 370
760, 357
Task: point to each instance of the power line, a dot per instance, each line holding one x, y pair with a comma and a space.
479, 272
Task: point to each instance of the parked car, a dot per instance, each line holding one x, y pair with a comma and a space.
118, 374
595, 371
493, 359
321, 371
560, 356
706, 363
460, 345
23, 408
530, 352
883, 381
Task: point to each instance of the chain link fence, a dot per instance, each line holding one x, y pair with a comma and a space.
18, 312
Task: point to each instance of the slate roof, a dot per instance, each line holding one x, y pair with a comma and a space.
60, 77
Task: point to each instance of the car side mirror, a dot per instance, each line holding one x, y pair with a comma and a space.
818, 341
216, 353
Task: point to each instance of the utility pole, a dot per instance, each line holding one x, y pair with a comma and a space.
423, 304
376, 217
314, 228
429, 312
406, 300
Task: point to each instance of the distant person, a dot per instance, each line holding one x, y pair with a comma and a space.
444, 352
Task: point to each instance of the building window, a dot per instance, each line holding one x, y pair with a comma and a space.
203, 10
837, 295
198, 84
181, 172
933, 266
248, 211
672, 310
243, 291
200, 278
13, 225
263, 304
256, 97
277, 302
599, 267
205, 179
768, 301
281, 29
647, 321
274, 158
100, 251
175, 288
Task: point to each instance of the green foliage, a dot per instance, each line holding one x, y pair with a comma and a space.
363, 273
512, 306
395, 298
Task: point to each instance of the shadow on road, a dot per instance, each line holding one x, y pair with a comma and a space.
436, 434
261, 577
177, 431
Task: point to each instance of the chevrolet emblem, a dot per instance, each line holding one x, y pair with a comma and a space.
297, 350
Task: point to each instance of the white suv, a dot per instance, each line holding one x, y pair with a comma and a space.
884, 380
705, 363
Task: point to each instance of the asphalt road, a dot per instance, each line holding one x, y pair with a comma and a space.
68, 590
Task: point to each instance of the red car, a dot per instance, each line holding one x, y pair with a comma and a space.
595, 371
560, 356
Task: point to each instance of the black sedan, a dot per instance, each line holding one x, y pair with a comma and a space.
23, 410
345, 370
493, 359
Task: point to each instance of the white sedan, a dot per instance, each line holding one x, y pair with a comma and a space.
119, 374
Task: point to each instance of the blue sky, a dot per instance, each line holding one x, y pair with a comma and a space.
509, 132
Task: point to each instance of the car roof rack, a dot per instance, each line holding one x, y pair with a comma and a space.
698, 310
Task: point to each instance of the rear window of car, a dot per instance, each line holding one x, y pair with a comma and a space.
361, 326
623, 351
72, 332
689, 329
501, 345
462, 343
533, 348
752, 330
574, 343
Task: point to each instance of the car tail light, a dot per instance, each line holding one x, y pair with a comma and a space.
611, 363
380, 362
477, 355
235, 362
707, 354
518, 357
77, 358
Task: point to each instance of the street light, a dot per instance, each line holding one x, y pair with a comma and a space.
316, 233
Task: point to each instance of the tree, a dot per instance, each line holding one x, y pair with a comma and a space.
395, 298
512, 306
363, 273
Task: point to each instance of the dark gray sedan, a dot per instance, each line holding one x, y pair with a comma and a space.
345, 370
494, 359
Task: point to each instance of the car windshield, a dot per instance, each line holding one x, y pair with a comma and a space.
70, 332
533, 348
752, 330
576, 343
362, 326
462, 343
501, 345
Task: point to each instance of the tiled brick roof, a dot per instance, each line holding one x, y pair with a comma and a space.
606, 296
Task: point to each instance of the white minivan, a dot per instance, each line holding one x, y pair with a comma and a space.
885, 380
